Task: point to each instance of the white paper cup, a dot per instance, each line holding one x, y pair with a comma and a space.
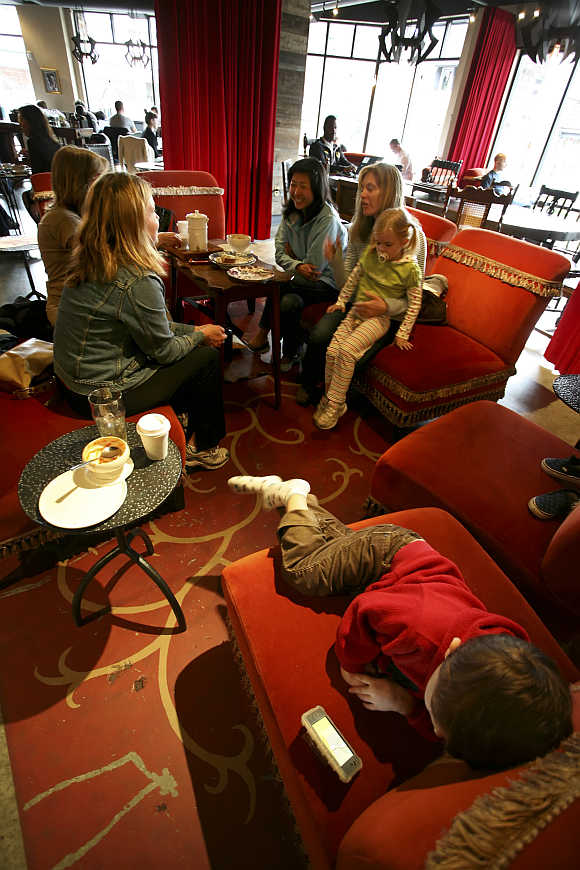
103, 471
153, 431
183, 232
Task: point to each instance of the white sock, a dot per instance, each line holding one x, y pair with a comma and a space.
249, 483
277, 494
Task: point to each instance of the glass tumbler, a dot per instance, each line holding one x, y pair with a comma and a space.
108, 410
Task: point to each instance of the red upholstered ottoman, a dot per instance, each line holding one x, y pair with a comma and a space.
482, 464
287, 642
26, 425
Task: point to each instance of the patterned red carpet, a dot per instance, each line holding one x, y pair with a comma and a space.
132, 746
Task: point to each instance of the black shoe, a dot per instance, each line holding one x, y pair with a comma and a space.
303, 397
553, 505
563, 469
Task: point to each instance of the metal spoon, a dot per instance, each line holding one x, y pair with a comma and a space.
109, 452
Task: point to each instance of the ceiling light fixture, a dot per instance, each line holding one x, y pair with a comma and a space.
335, 10
553, 34
83, 44
395, 38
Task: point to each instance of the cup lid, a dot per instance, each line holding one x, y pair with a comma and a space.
153, 424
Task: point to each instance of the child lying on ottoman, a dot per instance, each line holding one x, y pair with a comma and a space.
452, 668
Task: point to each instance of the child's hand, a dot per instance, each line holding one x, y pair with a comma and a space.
373, 307
337, 306
403, 344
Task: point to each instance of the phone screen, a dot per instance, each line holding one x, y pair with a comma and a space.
327, 732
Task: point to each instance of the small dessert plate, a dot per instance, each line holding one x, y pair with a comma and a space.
226, 259
251, 273
74, 501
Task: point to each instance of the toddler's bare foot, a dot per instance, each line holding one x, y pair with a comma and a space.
378, 693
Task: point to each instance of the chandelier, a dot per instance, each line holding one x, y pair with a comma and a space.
83, 44
549, 31
397, 36
136, 49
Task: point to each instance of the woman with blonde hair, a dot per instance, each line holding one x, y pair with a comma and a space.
112, 328
380, 186
73, 172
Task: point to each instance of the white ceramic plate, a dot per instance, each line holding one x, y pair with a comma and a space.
82, 503
251, 273
219, 259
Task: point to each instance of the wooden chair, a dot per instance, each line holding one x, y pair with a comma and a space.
552, 201
307, 143
65, 135
436, 178
474, 205
345, 199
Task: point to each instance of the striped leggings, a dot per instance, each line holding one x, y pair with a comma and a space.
350, 342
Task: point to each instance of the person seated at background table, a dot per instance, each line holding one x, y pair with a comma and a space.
494, 177
112, 327
119, 119
41, 143
54, 115
308, 218
73, 171
380, 186
402, 158
150, 131
415, 640
330, 154
85, 117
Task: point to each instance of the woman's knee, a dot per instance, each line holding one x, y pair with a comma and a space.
291, 303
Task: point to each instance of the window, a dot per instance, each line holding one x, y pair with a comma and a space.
375, 102
111, 78
540, 127
16, 87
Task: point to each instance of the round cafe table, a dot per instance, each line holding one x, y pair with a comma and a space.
148, 486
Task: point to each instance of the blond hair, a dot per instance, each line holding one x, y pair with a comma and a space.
402, 224
73, 171
390, 181
113, 232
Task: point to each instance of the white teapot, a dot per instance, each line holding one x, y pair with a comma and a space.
197, 225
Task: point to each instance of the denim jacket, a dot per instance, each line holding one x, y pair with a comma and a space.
117, 334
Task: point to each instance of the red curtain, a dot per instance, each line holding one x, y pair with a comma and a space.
484, 89
218, 75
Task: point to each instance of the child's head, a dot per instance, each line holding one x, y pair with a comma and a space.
499, 162
498, 701
394, 234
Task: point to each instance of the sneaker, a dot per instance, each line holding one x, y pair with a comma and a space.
563, 469
215, 457
326, 415
553, 505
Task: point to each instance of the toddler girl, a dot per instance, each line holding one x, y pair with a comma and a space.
386, 284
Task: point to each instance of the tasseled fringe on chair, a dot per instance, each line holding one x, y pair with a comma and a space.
434, 247
499, 825
404, 419
507, 274
441, 392
187, 191
28, 541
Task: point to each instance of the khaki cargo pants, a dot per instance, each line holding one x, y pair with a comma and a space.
321, 556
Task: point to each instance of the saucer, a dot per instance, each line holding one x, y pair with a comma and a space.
82, 503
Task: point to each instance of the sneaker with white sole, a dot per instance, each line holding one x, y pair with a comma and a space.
326, 415
553, 505
567, 470
210, 459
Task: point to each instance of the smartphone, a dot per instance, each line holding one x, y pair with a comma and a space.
329, 742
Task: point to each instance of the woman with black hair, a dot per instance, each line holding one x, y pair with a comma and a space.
150, 131
41, 141
308, 219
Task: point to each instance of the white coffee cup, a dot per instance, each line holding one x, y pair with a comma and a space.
239, 242
183, 232
103, 471
153, 431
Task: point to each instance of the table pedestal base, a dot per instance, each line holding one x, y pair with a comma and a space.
124, 548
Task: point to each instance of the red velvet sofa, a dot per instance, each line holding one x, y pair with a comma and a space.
482, 464
382, 819
26, 425
498, 287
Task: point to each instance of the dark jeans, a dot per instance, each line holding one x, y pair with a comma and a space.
292, 304
193, 384
312, 376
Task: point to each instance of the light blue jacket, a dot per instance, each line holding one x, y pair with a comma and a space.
117, 334
307, 240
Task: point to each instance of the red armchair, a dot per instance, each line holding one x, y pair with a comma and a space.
498, 287
178, 194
